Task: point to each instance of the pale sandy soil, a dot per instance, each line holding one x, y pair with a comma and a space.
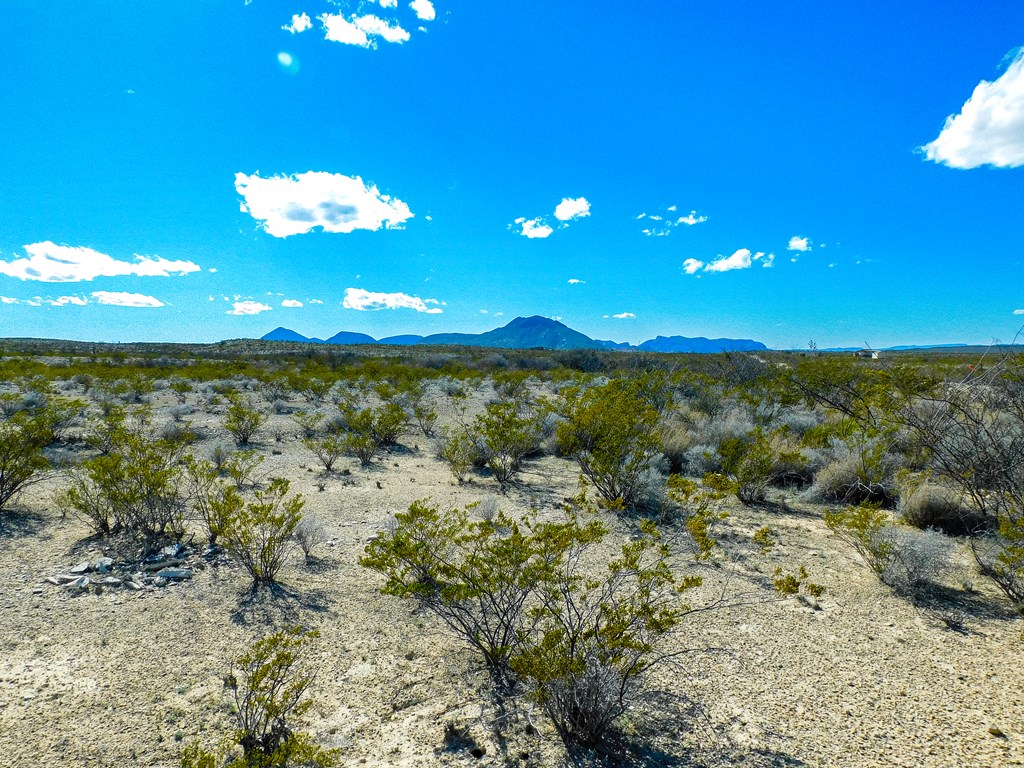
125, 679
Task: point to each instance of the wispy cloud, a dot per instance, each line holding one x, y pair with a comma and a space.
576, 281
39, 301
662, 224
122, 299
248, 307
623, 316
291, 303
989, 129
357, 298
691, 266
572, 208
533, 227
797, 243
292, 205
50, 263
1018, 311
300, 23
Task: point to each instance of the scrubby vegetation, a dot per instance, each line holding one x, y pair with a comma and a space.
701, 469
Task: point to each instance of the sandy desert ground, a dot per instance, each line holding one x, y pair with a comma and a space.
117, 677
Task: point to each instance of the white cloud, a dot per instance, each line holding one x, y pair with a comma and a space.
769, 261
989, 130
499, 314
690, 266
424, 9
1016, 311
50, 263
533, 228
247, 308
60, 301
484, 312
741, 259
667, 222
315, 301
388, 3
9, 300
797, 243
576, 281
360, 30
291, 303
300, 23
570, 209
623, 315
122, 299
292, 205
357, 298
690, 219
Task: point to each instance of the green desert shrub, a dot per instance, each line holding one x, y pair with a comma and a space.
524, 594
242, 421
752, 464
258, 532
611, 432
269, 686
504, 435
22, 439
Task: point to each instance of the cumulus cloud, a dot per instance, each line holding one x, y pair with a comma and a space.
291, 303
122, 299
50, 263
663, 224
570, 209
296, 204
424, 9
247, 307
576, 281
388, 3
357, 298
769, 261
741, 259
361, 30
989, 129
300, 23
797, 243
533, 227
691, 266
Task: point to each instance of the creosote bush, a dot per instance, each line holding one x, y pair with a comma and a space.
242, 421
22, 439
269, 686
515, 591
258, 533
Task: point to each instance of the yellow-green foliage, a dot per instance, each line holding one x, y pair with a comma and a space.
611, 432
268, 684
257, 533
698, 513
22, 439
790, 584
764, 537
242, 421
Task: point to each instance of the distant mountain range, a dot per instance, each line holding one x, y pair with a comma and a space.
529, 333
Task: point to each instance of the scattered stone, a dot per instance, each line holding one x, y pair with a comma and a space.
995, 730
109, 581
62, 578
174, 574
81, 568
157, 565
82, 582
103, 565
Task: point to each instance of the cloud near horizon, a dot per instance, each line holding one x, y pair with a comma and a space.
248, 307
362, 300
48, 262
123, 299
296, 204
989, 129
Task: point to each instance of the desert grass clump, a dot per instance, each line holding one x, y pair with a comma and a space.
310, 534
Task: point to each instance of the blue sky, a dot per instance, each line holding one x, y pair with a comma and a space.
198, 171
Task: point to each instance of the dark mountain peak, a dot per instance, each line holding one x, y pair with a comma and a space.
534, 322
